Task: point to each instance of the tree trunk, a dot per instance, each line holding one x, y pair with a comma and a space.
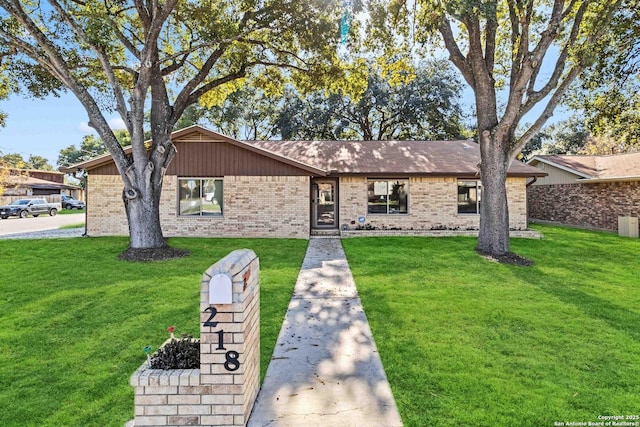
493, 238
143, 216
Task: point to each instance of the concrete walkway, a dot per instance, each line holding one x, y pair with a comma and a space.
325, 370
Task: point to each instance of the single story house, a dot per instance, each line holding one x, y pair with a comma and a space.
220, 186
586, 191
20, 183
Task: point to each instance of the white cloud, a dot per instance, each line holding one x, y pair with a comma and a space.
85, 128
115, 123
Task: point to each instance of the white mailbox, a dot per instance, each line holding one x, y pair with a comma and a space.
220, 289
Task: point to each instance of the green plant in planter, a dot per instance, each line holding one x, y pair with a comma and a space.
178, 353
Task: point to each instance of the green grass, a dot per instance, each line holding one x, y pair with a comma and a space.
468, 342
464, 341
71, 211
77, 225
74, 320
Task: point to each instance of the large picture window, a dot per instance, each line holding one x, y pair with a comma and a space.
387, 196
469, 197
199, 196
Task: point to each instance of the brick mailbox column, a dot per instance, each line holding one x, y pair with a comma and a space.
230, 336
222, 392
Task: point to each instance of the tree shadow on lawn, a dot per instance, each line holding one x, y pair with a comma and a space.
616, 316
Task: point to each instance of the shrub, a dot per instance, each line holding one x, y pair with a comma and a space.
181, 353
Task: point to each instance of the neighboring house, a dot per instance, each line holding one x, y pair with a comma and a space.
219, 186
26, 183
586, 191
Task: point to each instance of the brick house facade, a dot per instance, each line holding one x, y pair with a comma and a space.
291, 188
586, 191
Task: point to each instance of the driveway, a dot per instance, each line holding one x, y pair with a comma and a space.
13, 225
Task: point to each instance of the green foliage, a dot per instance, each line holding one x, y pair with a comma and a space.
397, 103
15, 160
565, 137
607, 93
38, 163
90, 147
420, 103
153, 60
518, 57
468, 342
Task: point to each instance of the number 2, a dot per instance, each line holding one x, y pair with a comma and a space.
208, 322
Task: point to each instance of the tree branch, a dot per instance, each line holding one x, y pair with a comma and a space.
455, 55
547, 112
529, 63
121, 105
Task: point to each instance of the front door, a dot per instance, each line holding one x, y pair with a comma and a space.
324, 201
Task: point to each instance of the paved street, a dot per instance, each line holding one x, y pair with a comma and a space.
13, 225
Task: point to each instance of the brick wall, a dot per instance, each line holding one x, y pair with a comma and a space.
432, 203
105, 208
265, 206
595, 205
254, 206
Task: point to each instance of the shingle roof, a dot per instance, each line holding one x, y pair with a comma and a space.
31, 182
610, 167
442, 158
460, 158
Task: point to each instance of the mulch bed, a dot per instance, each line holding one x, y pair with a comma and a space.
509, 258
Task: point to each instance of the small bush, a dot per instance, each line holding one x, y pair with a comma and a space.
182, 353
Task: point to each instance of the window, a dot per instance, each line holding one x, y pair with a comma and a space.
469, 197
199, 196
387, 196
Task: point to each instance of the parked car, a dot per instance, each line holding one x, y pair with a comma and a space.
69, 202
24, 207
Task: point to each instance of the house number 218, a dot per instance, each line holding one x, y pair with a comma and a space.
231, 357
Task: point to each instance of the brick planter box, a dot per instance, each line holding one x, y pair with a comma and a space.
176, 397
222, 392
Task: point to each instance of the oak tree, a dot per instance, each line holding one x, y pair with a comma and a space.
519, 58
154, 58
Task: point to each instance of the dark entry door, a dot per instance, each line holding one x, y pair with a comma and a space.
324, 201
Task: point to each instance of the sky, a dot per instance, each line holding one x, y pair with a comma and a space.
44, 127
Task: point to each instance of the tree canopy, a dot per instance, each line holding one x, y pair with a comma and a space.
154, 59
514, 55
91, 146
424, 106
15, 160
608, 93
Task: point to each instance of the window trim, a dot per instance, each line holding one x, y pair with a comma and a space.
478, 187
200, 214
389, 181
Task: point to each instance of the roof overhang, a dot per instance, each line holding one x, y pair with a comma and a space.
206, 135
559, 166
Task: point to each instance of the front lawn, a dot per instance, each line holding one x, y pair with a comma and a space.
74, 320
468, 342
